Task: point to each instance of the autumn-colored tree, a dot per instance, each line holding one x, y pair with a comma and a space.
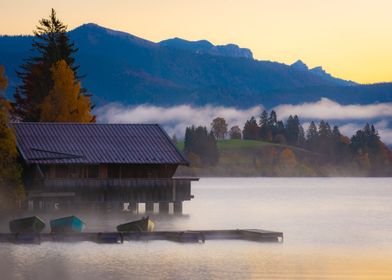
287, 158
3, 79
287, 164
219, 128
235, 132
64, 102
10, 172
194, 160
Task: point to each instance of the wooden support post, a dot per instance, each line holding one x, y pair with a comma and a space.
149, 207
177, 207
30, 205
133, 207
164, 207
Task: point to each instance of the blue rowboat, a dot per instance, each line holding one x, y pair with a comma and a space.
71, 224
27, 225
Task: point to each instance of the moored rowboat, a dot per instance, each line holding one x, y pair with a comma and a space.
27, 225
144, 224
70, 224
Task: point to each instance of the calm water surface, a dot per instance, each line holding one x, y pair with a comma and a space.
334, 228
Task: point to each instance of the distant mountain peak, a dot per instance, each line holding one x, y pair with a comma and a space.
206, 47
91, 26
93, 30
300, 65
318, 71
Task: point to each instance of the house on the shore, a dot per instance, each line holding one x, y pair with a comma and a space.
95, 166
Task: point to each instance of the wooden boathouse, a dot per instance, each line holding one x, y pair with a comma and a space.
100, 166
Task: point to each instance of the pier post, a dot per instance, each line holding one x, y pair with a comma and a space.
133, 207
177, 207
149, 207
164, 207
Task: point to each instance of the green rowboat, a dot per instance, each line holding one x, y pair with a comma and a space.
27, 225
144, 224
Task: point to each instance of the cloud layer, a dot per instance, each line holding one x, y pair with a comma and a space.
175, 119
327, 109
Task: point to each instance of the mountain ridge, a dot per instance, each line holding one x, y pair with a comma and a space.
121, 67
206, 47
319, 71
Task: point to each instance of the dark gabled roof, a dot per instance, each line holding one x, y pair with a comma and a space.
71, 143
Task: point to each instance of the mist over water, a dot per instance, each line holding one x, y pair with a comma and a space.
334, 228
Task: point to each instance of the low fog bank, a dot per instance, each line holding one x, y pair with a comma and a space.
175, 119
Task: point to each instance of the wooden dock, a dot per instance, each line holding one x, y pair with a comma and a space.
191, 236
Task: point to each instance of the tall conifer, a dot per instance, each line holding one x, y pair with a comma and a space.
50, 45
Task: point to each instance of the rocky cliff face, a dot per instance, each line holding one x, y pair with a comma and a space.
318, 71
205, 47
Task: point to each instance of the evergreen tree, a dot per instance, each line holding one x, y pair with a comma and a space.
341, 151
272, 126
301, 136
263, 122
366, 146
294, 131
251, 130
188, 139
325, 140
336, 132
324, 130
50, 45
264, 127
365, 140
312, 136
272, 120
200, 143
280, 132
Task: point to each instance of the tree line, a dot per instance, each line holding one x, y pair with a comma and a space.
326, 145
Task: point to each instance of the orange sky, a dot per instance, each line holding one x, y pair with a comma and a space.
351, 39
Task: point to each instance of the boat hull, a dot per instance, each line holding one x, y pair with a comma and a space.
143, 225
27, 225
71, 224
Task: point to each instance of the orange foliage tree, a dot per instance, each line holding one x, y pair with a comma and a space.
10, 173
287, 165
3, 79
64, 102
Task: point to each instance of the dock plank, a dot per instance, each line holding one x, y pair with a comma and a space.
187, 236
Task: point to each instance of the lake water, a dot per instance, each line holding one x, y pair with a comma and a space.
334, 228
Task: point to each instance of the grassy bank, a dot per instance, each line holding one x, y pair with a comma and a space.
254, 158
